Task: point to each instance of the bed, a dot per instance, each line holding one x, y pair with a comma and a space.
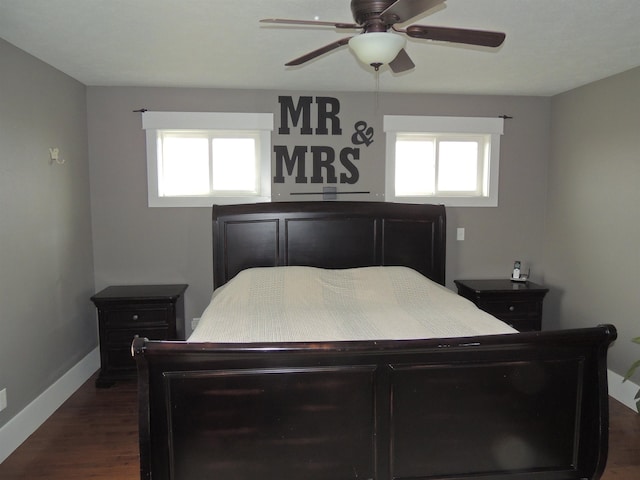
453, 405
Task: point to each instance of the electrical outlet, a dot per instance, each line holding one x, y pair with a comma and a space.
3, 399
460, 234
194, 323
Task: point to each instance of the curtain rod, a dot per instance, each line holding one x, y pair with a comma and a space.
504, 117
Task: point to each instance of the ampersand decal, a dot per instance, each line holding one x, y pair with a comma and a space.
363, 134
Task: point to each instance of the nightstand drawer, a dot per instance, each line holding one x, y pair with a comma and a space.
136, 316
120, 359
531, 324
508, 309
125, 337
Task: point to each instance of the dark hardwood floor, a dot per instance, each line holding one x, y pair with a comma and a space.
624, 444
94, 435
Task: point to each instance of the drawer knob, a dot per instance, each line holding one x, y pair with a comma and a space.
512, 308
134, 316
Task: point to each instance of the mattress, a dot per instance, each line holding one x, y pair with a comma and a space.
308, 304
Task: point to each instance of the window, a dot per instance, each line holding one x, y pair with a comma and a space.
198, 159
449, 160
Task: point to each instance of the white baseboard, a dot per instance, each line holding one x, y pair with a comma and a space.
624, 392
27, 421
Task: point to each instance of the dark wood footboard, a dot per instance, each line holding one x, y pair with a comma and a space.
522, 406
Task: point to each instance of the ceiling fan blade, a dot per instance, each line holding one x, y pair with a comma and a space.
316, 23
403, 10
456, 35
318, 52
401, 63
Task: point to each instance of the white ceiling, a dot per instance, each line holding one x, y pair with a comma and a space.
552, 45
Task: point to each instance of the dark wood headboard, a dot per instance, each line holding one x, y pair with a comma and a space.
328, 235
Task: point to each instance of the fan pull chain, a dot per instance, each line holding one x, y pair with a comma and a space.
377, 88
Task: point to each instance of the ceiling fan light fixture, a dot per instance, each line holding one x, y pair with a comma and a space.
377, 48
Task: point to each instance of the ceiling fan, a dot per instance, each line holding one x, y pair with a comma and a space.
379, 42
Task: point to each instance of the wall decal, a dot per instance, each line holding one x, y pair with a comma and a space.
307, 119
363, 134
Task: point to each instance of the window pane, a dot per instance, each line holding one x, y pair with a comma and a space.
415, 167
234, 164
185, 166
458, 166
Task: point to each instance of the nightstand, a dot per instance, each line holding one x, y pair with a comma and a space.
517, 303
124, 311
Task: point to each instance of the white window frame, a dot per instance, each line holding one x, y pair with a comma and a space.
444, 128
259, 125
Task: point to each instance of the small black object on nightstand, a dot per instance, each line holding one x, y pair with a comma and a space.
124, 311
518, 304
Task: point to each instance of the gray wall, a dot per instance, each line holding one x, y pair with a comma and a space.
567, 207
134, 243
47, 323
592, 241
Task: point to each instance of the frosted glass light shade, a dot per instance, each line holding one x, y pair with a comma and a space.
377, 47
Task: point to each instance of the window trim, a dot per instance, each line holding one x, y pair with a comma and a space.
152, 122
493, 128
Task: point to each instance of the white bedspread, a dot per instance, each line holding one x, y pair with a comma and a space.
290, 304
